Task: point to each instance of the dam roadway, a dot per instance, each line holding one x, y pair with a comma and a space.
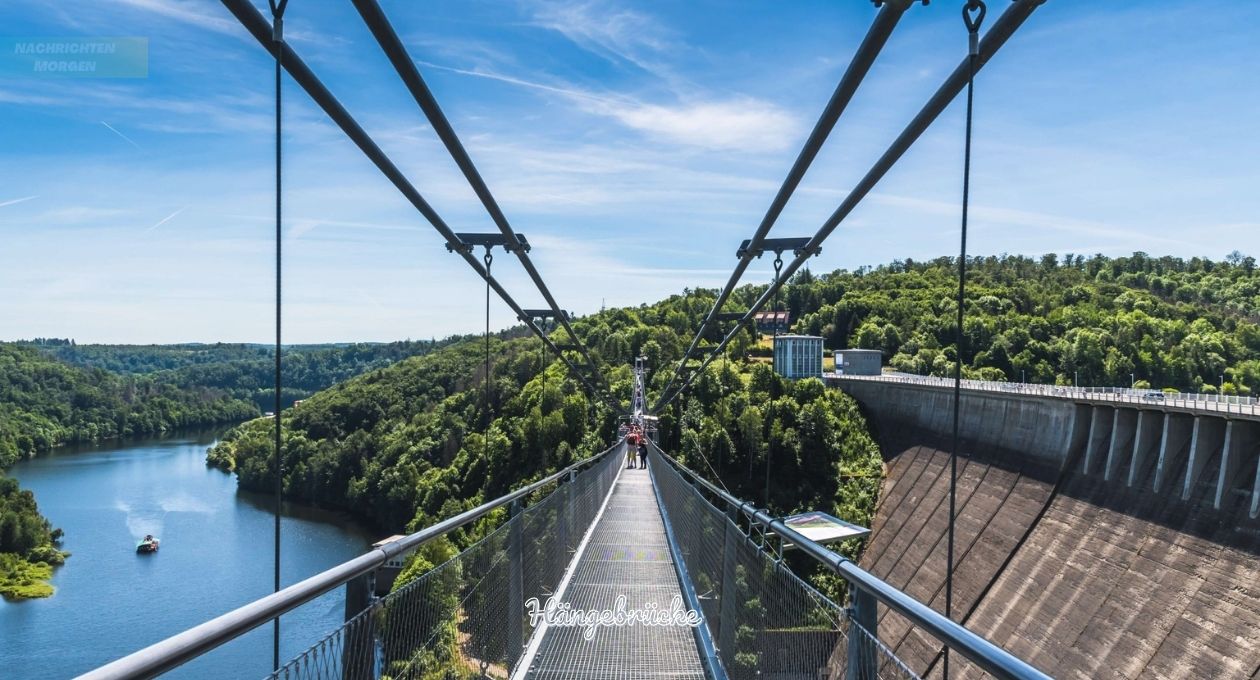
1096, 537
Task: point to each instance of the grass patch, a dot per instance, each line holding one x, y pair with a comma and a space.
20, 580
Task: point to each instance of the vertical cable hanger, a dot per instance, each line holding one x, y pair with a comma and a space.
487, 259
973, 14
774, 341
485, 430
464, 243
277, 38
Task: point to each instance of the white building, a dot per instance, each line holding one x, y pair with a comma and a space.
859, 361
798, 356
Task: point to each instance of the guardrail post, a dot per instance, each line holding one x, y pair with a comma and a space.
862, 662
516, 588
570, 497
730, 598
358, 647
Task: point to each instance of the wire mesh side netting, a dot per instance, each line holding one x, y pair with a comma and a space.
465, 618
762, 617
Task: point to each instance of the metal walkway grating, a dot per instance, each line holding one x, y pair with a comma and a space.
626, 555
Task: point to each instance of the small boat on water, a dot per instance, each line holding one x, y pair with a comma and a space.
148, 545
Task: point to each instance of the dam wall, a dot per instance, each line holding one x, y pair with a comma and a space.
1093, 540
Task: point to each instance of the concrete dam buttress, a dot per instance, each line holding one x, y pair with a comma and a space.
1092, 540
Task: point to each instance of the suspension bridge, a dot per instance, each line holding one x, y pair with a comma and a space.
602, 570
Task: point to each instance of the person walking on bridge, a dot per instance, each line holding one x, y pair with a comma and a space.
643, 455
632, 445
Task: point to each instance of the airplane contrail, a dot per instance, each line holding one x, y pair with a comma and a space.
111, 128
166, 219
16, 200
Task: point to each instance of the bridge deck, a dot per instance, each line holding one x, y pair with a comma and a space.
626, 554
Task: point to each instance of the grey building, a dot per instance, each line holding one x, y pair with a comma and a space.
859, 361
798, 356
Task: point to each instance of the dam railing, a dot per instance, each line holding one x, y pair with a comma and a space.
1220, 403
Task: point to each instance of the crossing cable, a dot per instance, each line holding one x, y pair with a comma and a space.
876, 37
277, 37
1003, 28
253, 21
394, 49
973, 15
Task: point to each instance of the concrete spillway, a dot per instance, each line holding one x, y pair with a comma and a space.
1092, 542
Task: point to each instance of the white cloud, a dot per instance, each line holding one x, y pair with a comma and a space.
124, 137
188, 13
14, 201
585, 276
168, 218
743, 124
1011, 217
738, 125
619, 35
78, 214
209, 16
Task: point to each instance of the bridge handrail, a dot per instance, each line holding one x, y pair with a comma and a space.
985, 654
1229, 403
183, 647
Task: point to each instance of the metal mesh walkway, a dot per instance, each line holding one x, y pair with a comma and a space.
626, 555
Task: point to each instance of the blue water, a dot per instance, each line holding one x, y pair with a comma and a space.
216, 554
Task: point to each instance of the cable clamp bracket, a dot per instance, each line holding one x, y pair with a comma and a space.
973, 15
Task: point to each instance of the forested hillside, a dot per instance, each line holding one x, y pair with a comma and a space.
242, 370
47, 402
28, 544
403, 446
406, 442
57, 392
1183, 324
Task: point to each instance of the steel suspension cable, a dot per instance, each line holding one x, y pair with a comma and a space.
407, 70
973, 15
277, 36
254, 22
876, 37
1003, 28
485, 437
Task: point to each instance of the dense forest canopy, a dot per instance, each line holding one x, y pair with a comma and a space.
1191, 325
55, 391
48, 402
414, 438
404, 446
245, 371
28, 544
406, 443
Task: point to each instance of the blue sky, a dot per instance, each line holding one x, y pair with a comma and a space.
635, 144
